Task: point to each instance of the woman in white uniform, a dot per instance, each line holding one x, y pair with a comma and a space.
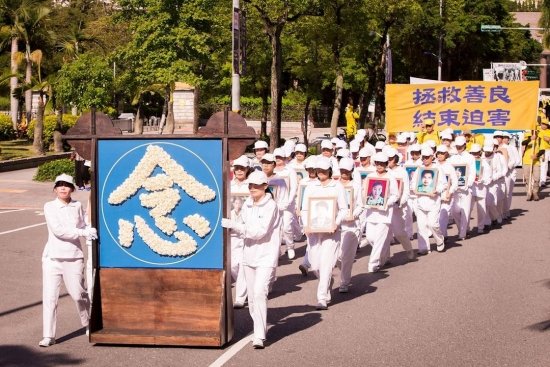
239, 186
63, 259
323, 247
260, 229
447, 197
479, 189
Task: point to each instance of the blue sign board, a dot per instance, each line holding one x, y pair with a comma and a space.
160, 203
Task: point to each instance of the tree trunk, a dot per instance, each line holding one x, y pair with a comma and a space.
337, 102
57, 140
164, 109
38, 143
265, 109
14, 102
138, 123
276, 95
305, 122
28, 92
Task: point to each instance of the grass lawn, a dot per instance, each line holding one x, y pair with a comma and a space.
15, 149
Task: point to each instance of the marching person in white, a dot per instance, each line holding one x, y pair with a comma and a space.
63, 259
414, 160
260, 149
260, 230
323, 246
286, 201
479, 189
365, 168
447, 197
398, 225
462, 204
379, 219
327, 151
492, 188
310, 166
239, 185
350, 225
500, 159
300, 152
427, 206
514, 159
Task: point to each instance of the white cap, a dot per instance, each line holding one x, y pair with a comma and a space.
475, 148
300, 148
495, 142
506, 134
426, 151
323, 163
488, 148
380, 157
64, 178
341, 144
390, 151
432, 144
365, 152
362, 133
268, 157
415, 148
310, 162
326, 144
446, 136
334, 140
242, 161
279, 152
257, 178
343, 153
346, 163
460, 140
442, 149
260, 144
354, 146
497, 133
379, 145
402, 138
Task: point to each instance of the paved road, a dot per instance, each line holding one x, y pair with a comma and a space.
484, 302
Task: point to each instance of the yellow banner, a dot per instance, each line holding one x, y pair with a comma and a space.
464, 105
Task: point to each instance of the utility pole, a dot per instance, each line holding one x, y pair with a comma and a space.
236, 76
439, 61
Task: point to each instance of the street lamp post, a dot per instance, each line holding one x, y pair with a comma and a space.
439, 62
236, 76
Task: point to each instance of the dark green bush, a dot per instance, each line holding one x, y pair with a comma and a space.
6, 128
49, 127
50, 170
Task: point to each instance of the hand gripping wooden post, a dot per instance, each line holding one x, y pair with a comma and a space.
149, 294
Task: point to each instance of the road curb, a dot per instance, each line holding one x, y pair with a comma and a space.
23, 163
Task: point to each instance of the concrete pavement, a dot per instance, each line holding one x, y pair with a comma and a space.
483, 302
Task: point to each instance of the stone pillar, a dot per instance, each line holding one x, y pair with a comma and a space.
543, 70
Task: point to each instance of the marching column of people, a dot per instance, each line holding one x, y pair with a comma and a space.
358, 194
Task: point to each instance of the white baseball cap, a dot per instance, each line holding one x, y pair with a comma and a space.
426, 151
334, 140
343, 153
310, 162
475, 148
242, 161
390, 151
497, 133
379, 145
506, 134
361, 132
323, 163
64, 178
365, 152
257, 178
326, 144
430, 143
415, 148
260, 144
279, 152
442, 149
446, 136
300, 148
341, 144
346, 163
460, 140
268, 157
380, 157
488, 148
402, 138
354, 146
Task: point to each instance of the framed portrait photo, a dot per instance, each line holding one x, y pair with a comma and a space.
300, 198
399, 185
301, 173
479, 170
410, 168
426, 180
237, 200
377, 192
461, 173
321, 214
278, 186
363, 174
349, 201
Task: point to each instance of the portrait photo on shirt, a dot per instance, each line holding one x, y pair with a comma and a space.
321, 215
461, 172
426, 180
377, 192
349, 201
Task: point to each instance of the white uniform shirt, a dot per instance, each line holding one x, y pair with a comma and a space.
357, 202
404, 191
500, 166
332, 189
291, 178
261, 232
465, 158
425, 202
375, 215
480, 186
452, 184
238, 187
64, 221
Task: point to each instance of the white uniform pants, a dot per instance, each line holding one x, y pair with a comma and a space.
378, 236
481, 209
501, 191
237, 272
398, 228
408, 211
90, 270
428, 223
492, 208
348, 250
462, 207
510, 183
71, 272
323, 253
288, 228
444, 215
257, 284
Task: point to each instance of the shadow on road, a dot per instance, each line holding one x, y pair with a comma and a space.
543, 325
289, 320
17, 355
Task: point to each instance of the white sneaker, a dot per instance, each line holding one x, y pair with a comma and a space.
258, 343
291, 254
343, 289
47, 342
441, 247
321, 306
364, 242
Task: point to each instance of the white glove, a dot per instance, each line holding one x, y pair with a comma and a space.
227, 223
357, 212
90, 233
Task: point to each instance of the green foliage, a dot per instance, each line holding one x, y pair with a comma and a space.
6, 128
50, 122
86, 82
50, 170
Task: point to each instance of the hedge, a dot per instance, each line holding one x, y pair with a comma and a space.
50, 170
6, 128
50, 122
